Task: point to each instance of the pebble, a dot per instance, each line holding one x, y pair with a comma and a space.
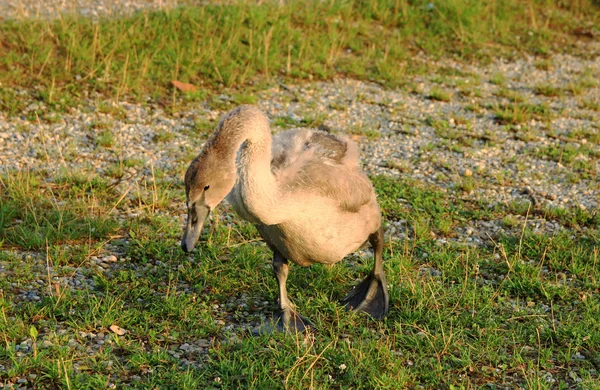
110, 259
578, 356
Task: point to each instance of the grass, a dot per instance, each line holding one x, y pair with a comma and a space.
33, 216
105, 138
548, 90
520, 113
513, 114
498, 78
511, 95
543, 64
572, 155
583, 134
590, 104
440, 95
241, 44
514, 310
361, 130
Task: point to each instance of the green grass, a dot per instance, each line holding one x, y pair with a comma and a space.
498, 78
105, 138
524, 133
34, 216
241, 44
579, 157
543, 64
364, 130
548, 90
513, 114
583, 134
440, 95
590, 104
521, 113
162, 136
512, 96
511, 310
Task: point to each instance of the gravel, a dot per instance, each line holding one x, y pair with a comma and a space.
400, 127
15, 9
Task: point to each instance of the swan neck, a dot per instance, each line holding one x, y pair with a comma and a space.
251, 136
254, 159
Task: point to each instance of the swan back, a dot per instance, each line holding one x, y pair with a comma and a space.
314, 161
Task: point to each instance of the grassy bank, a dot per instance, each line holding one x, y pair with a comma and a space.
243, 44
522, 311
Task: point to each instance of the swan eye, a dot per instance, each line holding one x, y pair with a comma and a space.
206, 187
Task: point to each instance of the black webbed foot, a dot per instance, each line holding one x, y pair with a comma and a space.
370, 296
289, 320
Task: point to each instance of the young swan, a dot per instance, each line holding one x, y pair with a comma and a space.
304, 191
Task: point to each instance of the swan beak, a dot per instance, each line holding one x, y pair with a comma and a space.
196, 217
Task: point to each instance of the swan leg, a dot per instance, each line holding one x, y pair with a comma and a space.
286, 317
371, 295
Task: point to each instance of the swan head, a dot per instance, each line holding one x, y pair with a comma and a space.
208, 180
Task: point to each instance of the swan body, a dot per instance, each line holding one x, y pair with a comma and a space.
303, 189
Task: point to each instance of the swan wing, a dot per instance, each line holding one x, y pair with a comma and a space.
323, 163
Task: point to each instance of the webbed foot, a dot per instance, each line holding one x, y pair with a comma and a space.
289, 320
370, 296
